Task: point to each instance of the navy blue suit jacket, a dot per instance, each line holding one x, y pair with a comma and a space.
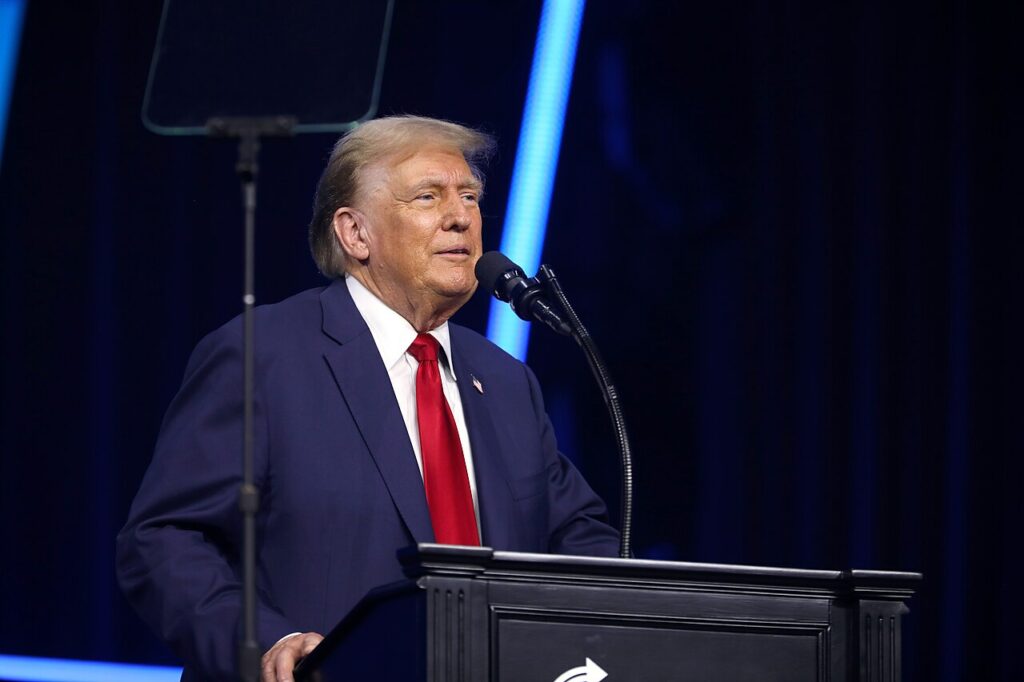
341, 490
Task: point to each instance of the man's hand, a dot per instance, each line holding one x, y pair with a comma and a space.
280, 660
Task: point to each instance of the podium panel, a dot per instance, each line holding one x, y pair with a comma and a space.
541, 650
474, 614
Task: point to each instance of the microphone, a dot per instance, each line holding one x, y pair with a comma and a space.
527, 296
529, 299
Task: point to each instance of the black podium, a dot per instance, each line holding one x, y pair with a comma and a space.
478, 615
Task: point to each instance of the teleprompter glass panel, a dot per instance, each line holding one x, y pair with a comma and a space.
319, 62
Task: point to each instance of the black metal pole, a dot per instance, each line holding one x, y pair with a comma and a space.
248, 499
249, 131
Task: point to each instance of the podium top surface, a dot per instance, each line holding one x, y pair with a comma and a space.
476, 613
427, 559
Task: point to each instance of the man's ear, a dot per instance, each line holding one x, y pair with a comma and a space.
349, 227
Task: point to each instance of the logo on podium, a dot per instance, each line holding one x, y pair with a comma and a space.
590, 672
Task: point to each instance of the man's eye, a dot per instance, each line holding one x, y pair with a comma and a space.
470, 197
426, 196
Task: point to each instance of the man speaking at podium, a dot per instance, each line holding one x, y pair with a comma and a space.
377, 423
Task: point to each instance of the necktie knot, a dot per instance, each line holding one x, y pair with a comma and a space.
424, 348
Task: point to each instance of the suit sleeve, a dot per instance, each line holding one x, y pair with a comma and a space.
178, 554
578, 518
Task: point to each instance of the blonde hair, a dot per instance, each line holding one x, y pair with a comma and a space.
366, 144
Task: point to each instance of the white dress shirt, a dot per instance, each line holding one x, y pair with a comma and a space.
393, 335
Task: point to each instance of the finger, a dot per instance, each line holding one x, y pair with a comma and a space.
268, 667
284, 662
311, 642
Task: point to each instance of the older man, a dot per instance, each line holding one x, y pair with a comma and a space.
378, 424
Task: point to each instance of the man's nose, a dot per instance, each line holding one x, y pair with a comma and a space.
459, 216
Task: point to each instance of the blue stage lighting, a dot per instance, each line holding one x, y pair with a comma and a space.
26, 669
536, 158
11, 13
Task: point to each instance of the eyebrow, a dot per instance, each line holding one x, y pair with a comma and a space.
439, 181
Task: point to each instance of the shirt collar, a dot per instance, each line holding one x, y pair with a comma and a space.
391, 332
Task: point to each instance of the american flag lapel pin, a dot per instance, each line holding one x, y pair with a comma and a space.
477, 385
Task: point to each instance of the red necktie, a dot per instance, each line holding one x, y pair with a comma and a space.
444, 465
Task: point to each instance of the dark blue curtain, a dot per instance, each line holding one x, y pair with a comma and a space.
793, 229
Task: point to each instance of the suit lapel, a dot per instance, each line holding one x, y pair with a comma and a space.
364, 384
493, 493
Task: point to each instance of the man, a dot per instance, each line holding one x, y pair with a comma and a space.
377, 424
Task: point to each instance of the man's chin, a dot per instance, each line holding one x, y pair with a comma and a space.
457, 284
456, 296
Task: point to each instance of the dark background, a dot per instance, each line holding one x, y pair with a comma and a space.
794, 229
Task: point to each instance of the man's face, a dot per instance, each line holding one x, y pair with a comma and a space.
423, 227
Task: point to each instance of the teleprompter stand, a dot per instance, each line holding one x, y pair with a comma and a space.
226, 69
249, 132
478, 615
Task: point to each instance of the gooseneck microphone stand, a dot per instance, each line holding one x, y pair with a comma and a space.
546, 276
249, 131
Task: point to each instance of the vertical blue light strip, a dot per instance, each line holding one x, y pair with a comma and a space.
537, 157
11, 13
25, 669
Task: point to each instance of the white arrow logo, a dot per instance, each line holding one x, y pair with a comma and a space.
591, 672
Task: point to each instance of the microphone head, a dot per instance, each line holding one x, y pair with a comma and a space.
497, 273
